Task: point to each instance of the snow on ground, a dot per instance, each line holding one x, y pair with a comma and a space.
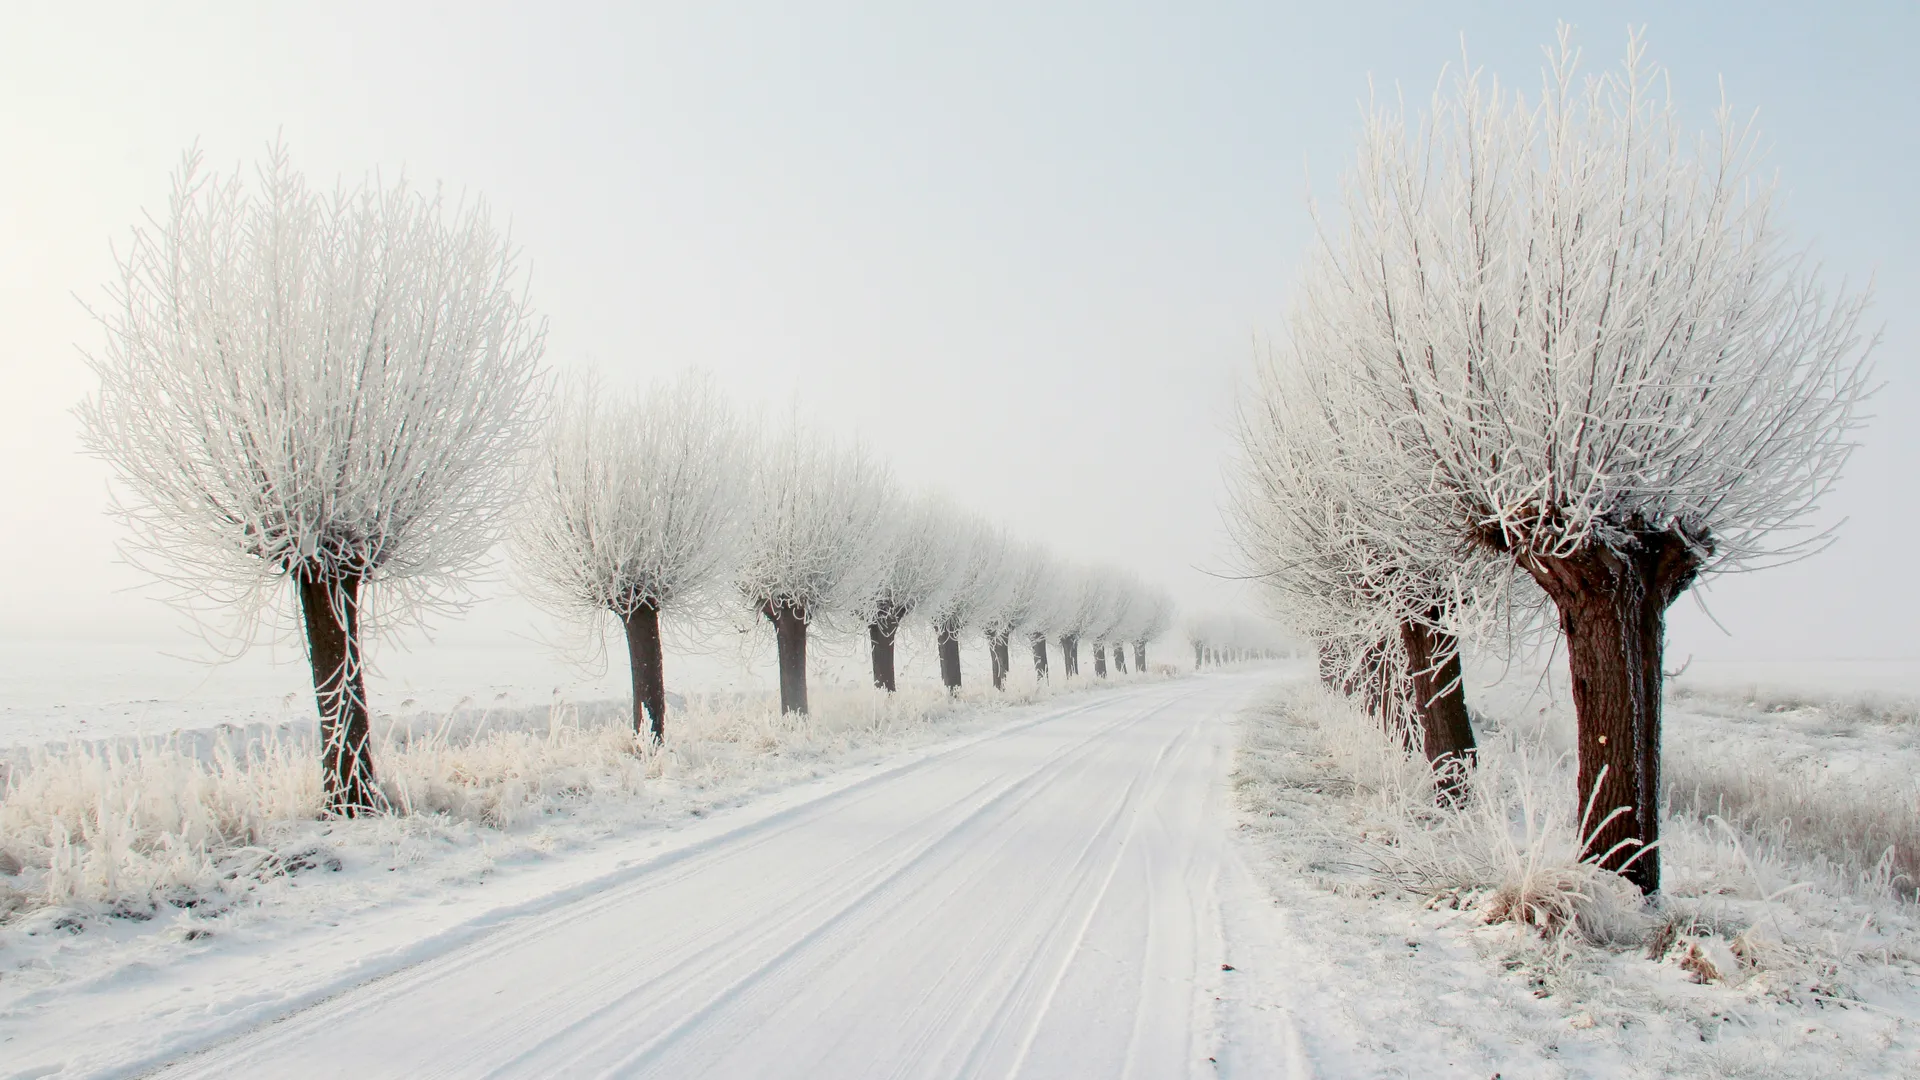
1772, 955
1035, 896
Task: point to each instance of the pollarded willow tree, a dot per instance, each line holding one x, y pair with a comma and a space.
317, 390
1327, 516
816, 543
981, 556
1019, 599
631, 507
1584, 328
920, 564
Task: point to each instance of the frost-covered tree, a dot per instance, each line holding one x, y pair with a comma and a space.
316, 390
816, 543
922, 560
1585, 328
1330, 519
631, 506
1155, 617
982, 552
1016, 601
1048, 611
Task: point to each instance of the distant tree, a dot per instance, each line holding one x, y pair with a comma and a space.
1155, 619
816, 543
981, 573
1585, 330
922, 560
316, 390
1014, 604
632, 506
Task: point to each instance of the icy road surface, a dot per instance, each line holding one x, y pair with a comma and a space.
1042, 902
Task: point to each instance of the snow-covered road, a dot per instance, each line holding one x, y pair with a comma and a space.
1042, 902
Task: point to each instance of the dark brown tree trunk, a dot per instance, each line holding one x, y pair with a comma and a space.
997, 657
331, 610
1070, 654
1140, 657
1613, 608
949, 659
1440, 700
649, 677
1040, 657
1100, 659
881, 632
790, 640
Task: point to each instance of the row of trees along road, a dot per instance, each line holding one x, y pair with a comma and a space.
342, 392
1557, 358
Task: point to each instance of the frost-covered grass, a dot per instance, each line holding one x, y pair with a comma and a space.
103, 838
1770, 954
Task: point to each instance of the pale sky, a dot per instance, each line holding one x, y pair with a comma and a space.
1021, 250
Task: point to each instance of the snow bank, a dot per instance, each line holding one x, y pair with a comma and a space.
1483, 944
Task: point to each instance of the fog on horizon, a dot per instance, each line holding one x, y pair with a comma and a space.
1024, 255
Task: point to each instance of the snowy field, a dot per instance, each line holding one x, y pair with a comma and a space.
1470, 943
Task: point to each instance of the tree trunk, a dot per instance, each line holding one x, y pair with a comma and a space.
1070, 654
649, 677
949, 659
997, 656
1120, 657
1040, 657
1100, 659
1440, 700
1613, 608
1140, 657
790, 639
881, 632
1199, 656
331, 609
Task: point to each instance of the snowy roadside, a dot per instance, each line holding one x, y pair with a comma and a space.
1393, 960
108, 986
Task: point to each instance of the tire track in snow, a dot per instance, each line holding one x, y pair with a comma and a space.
1024, 903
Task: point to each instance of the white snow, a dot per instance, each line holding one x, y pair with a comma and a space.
1159, 879
1039, 897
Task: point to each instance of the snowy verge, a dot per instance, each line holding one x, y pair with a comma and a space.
521, 821
1472, 942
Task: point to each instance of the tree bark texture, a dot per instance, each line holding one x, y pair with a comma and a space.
790, 640
649, 675
1613, 605
1440, 701
1100, 659
949, 659
997, 657
1140, 657
1120, 657
330, 607
1070, 654
881, 632
1039, 656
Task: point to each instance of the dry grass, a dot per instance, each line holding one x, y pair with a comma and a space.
132, 826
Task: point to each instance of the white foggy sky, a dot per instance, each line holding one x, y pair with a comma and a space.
1022, 253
